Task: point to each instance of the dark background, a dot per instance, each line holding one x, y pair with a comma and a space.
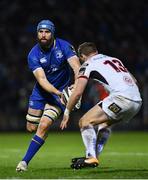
119, 28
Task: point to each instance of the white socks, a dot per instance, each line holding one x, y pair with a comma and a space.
94, 143
89, 138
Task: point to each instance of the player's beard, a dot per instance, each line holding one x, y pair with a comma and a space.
46, 44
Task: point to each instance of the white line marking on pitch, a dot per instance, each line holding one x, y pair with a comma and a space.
125, 154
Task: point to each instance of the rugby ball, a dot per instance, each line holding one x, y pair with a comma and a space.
66, 94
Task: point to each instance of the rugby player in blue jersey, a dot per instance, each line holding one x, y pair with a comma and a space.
50, 61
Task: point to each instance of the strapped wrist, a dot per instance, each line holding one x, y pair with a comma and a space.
66, 112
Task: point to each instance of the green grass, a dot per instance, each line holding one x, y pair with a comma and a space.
125, 156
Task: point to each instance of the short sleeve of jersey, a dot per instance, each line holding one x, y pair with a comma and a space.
84, 71
69, 50
33, 62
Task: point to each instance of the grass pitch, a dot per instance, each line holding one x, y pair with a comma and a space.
125, 156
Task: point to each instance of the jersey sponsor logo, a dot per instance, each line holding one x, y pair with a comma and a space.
85, 64
43, 60
128, 80
53, 68
59, 54
114, 108
82, 70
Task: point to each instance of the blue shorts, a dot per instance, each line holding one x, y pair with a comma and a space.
39, 102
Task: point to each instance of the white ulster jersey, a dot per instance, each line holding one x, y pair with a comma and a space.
112, 74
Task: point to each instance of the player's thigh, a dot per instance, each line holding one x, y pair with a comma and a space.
33, 118
94, 116
52, 112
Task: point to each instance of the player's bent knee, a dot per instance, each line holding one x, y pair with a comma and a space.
45, 122
83, 123
80, 123
44, 125
48, 117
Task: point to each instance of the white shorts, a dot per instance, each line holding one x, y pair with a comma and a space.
120, 108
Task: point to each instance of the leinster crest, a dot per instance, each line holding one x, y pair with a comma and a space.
59, 54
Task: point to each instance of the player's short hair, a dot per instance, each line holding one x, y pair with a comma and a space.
46, 24
86, 48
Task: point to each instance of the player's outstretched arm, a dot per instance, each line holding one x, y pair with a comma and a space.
44, 83
65, 120
75, 96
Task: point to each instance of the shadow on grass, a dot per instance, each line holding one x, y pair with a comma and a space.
86, 173
98, 172
93, 170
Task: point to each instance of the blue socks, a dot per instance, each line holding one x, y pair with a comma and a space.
34, 146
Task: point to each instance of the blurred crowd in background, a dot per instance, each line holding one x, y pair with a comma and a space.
119, 28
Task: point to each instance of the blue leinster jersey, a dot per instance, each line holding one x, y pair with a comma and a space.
55, 65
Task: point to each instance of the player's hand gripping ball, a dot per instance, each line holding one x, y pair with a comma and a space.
66, 94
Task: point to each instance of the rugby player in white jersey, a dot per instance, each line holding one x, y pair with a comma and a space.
122, 104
